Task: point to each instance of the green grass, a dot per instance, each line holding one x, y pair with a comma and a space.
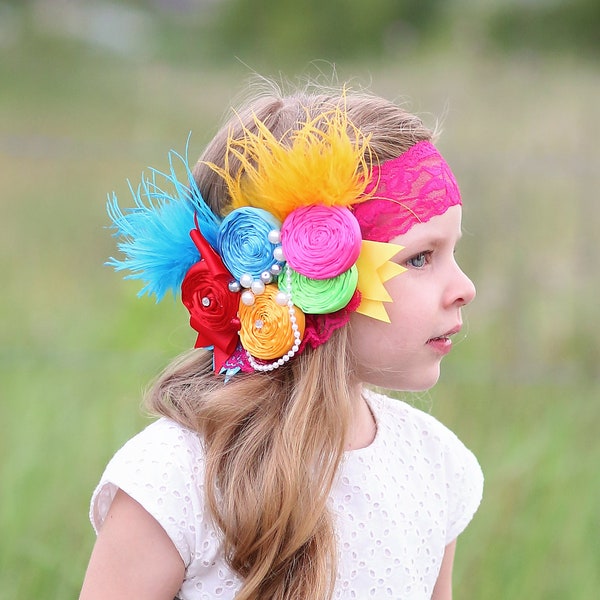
78, 347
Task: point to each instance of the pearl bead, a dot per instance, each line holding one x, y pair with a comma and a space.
248, 298
206, 301
281, 298
258, 287
246, 280
278, 254
274, 236
234, 287
266, 277
276, 270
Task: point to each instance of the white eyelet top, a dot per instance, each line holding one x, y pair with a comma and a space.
397, 503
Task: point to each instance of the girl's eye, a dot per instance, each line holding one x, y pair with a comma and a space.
419, 260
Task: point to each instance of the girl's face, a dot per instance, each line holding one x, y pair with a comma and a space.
426, 310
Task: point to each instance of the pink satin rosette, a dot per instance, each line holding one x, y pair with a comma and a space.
321, 242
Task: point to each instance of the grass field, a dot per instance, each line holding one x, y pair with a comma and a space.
522, 390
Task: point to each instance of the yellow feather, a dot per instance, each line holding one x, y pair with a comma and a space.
323, 162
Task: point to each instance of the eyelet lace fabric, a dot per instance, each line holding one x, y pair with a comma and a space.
410, 189
396, 504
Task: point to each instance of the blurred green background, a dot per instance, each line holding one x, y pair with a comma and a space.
91, 93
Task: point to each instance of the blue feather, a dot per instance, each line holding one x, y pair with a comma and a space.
154, 236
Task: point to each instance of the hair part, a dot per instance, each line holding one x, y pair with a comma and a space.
274, 441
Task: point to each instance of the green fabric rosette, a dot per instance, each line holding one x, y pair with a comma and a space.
320, 296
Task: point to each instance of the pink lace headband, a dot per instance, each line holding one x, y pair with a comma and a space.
407, 190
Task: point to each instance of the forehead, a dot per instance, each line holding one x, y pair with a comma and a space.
445, 228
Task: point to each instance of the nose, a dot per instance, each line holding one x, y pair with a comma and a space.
461, 291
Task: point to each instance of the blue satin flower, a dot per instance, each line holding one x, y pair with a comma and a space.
243, 241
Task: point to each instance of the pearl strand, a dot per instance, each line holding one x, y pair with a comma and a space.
296, 330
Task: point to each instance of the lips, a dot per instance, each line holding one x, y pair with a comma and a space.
443, 343
448, 333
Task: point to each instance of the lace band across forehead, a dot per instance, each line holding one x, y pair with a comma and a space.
303, 243
407, 190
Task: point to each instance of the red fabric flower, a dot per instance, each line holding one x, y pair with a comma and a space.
212, 306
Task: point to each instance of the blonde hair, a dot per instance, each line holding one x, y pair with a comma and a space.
274, 441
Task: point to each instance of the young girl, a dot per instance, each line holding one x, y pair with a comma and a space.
313, 246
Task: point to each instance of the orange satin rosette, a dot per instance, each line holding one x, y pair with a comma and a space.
266, 327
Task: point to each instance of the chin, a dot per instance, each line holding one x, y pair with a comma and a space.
426, 382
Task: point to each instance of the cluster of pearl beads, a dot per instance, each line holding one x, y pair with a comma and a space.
254, 287
296, 330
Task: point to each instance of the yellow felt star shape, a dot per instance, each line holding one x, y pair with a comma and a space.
374, 269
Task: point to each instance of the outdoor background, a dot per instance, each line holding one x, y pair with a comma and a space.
92, 93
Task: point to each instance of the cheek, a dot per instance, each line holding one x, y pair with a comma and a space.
372, 340
407, 313
413, 302
364, 332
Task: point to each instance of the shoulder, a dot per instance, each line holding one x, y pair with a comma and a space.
164, 450
162, 468
436, 452
163, 440
408, 422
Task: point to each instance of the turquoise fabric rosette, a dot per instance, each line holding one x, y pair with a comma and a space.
243, 241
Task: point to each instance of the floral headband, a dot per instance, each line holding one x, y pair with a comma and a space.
303, 244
